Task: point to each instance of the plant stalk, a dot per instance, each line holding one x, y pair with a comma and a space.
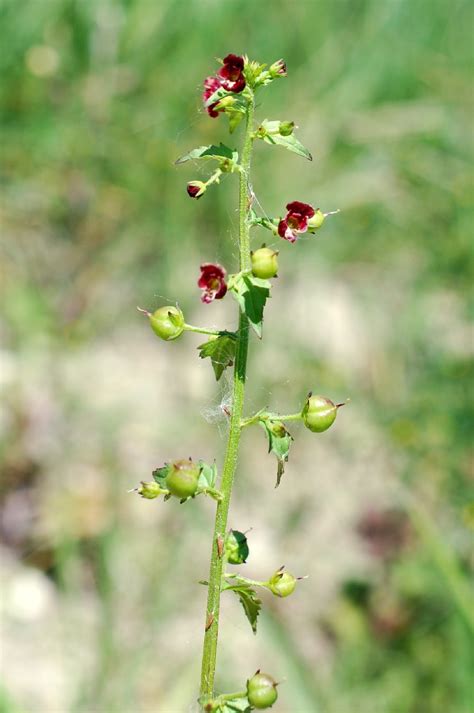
230, 461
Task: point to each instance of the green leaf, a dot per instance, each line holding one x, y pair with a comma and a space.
250, 602
279, 441
218, 94
221, 351
251, 293
207, 476
289, 142
207, 152
159, 475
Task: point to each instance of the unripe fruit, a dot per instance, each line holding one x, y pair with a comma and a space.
261, 690
316, 221
167, 322
282, 584
264, 263
319, 413
236, 547
149, 490
182, 478
286, 128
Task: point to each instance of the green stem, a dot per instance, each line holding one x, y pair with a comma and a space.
230, 461
289, 417
244, 580
201, 330
230, 696
262, 415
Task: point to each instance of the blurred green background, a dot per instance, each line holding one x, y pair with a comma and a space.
100, 606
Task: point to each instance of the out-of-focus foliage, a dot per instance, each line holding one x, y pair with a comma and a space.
100, 605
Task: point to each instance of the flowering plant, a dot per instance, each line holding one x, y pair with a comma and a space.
231, 92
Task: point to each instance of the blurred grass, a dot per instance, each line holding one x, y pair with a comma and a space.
97, 100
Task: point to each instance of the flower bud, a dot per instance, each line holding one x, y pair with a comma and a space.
286, 128
261, 690
264, 263
319, 413
277, 69
225, 103
316, 221
236, 547
167, 322
182, 478
149, 490
282, 584
196, 189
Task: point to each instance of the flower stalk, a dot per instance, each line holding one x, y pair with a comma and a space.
230, 461
230, 92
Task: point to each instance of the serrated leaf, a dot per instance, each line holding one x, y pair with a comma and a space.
279, 441
221, 352
208, 152
251, 293
250, 602
208, 475
289, 142
159, 475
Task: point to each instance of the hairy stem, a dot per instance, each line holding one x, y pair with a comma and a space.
230, 460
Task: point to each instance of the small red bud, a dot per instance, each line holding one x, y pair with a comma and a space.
278, 69
196, 189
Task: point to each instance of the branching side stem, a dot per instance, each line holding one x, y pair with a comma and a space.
230, 460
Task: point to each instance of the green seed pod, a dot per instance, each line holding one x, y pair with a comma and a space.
261, 690
236, 547
286, 128
167, 322
264, 263
182, 478
316, 221
282, 584
319, 413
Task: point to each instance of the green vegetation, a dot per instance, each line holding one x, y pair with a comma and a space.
96, 220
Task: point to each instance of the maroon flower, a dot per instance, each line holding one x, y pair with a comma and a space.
212, 282
196, 189
211, 84
230, 77
296, 220
231, 73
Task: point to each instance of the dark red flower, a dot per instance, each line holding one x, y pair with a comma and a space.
230, 77
211, 84
212, 282
231, 73
196, 189
296, 220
